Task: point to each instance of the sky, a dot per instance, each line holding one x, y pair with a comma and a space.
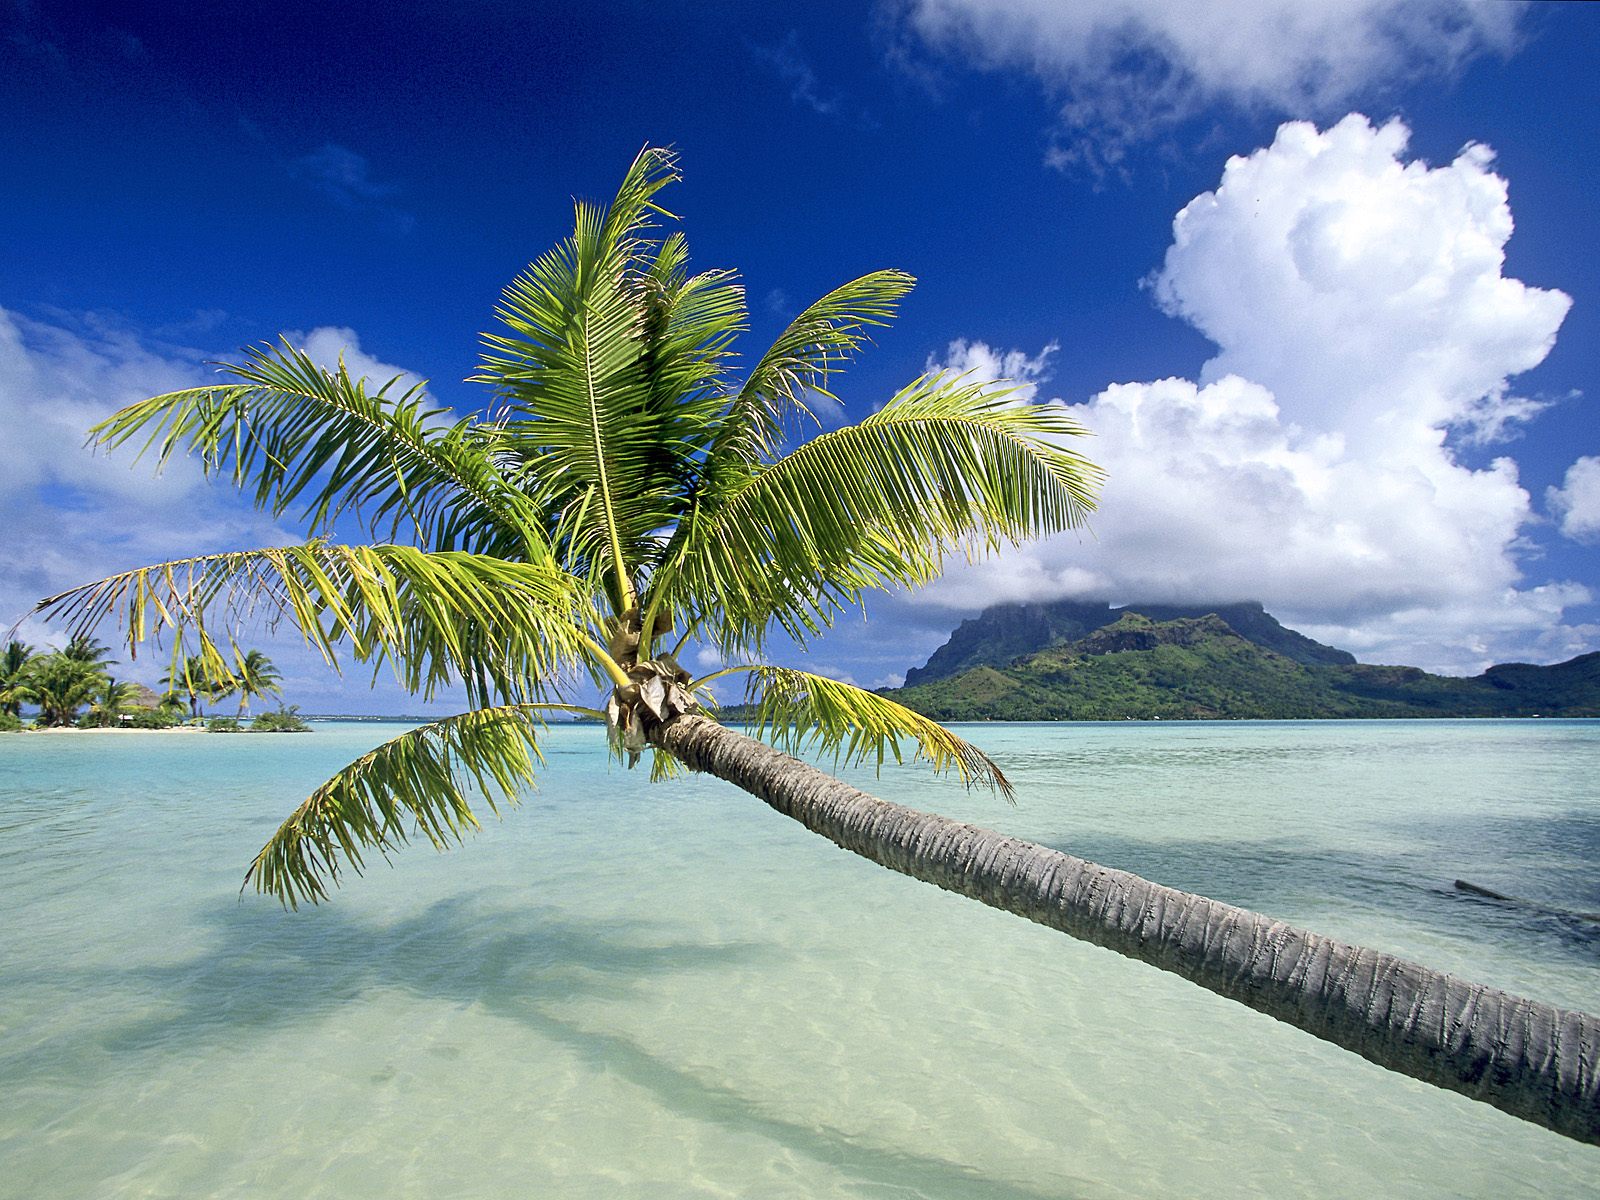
1320, 279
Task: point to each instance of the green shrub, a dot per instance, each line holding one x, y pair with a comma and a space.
223, 725
285, 720
10, 723
152, 718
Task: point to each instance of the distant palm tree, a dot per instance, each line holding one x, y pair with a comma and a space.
193, 677
253, 677
13, 660
60, 685
107, 706
85, 649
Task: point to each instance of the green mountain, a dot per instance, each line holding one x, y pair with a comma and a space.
1008, 631
1144, 665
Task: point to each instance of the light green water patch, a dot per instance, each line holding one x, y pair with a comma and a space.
627, 991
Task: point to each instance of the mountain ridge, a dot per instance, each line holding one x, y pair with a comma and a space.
1202, 667
1005, 632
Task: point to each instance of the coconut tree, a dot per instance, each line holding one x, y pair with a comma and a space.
85, 649
13, 660
253, 677
195, 677
630, 493
60, 684
111, 701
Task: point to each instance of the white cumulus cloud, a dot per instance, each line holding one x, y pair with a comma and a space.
1361, 318
1364, 291
1577, 501
1124, 70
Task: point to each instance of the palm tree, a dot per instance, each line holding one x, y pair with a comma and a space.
111, 701
195, 677
629, 494
253, 676
85, 649
60, 684
13, 660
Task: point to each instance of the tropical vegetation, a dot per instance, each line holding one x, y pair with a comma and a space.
109, 703
12, 662
631, 494
253, 678
74, 687
192, 679
63, 681
282, 720
1203, 669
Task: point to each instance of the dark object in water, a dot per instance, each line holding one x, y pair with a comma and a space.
1473, 889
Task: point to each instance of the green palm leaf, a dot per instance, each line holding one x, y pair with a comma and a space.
434, 616
798, 711
422, 777
947, 464
689, 324
291, 430
799, 363
579, 407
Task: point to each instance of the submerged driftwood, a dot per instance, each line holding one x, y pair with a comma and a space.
1473, 889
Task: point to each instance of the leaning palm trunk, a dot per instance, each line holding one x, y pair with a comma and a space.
1529, 1059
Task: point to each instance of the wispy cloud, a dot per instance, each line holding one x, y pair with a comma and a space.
344, 177
1576, 503
788, 61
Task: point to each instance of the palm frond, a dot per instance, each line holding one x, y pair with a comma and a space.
947, 465
578, 405
291, 431
799, 363
798, 711
689, 324
421, 778
434, 616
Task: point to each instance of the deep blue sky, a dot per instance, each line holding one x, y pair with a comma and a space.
182, 179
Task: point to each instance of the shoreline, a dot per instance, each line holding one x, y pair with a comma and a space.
76, 732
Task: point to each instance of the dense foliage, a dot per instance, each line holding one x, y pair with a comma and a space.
283, 720
74, 687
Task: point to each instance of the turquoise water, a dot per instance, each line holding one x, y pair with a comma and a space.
634, 991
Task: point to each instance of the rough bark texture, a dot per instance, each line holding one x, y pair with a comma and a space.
1528, 1059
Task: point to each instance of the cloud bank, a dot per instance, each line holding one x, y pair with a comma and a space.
1123, 71
1365, 335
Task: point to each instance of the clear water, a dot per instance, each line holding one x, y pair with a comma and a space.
634, 991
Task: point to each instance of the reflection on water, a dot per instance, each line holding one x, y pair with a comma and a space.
634, 991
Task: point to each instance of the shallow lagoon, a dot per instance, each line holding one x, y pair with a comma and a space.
634, 991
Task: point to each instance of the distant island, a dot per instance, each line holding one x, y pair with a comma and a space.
1073, 661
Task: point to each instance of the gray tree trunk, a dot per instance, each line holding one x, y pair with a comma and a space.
1528, 1059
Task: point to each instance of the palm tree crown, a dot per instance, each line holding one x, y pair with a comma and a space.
253, 678
628, 493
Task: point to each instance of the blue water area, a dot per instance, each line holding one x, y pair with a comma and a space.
636, 990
